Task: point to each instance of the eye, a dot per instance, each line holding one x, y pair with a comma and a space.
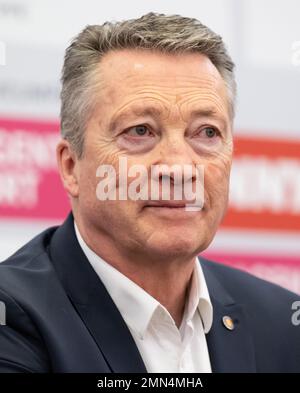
139, 130
210, 132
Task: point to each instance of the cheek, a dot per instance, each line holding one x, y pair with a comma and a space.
105, 154
87, 185
217, 182
100, 148
96, 155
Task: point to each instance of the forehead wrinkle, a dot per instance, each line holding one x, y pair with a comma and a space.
170, 83
141, 109
173, 94
216, 97
176, 94
212, 100
156, 84
144, 96
166, 99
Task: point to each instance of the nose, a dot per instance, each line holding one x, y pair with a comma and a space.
176, 174
176, 157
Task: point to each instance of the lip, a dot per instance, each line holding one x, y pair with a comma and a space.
172, 207
172, 211
168, 204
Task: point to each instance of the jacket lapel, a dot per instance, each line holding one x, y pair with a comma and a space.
93, 303
229, 350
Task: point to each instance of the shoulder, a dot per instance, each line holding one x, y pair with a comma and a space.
26, 266
271, 314
25, 285
250, 290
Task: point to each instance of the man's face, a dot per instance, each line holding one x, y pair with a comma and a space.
156, 109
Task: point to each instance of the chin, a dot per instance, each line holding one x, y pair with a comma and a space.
175, 245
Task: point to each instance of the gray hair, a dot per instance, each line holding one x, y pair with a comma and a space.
153, 31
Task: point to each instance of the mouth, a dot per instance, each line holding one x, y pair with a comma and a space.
173, 209
167, 204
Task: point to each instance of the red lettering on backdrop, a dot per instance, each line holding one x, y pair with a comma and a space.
29, 183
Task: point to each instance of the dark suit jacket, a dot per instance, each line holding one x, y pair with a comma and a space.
60, 318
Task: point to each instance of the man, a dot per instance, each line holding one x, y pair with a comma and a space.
118, 287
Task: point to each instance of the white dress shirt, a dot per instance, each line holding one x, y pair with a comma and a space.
163, 347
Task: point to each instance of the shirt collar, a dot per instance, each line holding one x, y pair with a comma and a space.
201, 297
136, 306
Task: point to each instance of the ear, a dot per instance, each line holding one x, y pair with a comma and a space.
67, 166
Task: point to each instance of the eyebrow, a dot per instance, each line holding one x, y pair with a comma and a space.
137, 111
156, 112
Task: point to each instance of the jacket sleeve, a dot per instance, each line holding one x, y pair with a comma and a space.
22, 350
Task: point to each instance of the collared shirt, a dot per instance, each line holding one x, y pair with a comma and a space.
163, 347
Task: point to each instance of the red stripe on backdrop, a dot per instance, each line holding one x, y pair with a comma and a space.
264, 220
273, 148
279, 162
43, 125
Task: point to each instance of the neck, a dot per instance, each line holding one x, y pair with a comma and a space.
166, 278
168, 284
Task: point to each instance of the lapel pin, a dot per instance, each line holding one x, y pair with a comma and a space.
228, 322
